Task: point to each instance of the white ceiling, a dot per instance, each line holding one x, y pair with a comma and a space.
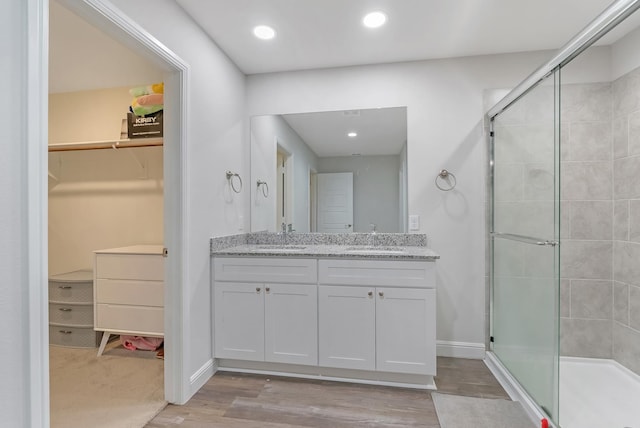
328, 33
381, 131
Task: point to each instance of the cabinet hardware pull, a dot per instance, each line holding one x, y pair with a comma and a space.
65, 309
380, 293
65, 287
370, 293
257, 289
65, 331
267, 289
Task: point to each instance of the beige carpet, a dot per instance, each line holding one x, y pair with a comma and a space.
120, 389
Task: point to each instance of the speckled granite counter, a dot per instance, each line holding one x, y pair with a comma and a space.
388, 246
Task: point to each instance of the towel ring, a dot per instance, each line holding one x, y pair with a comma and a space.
444, 175
265, 188
230, 176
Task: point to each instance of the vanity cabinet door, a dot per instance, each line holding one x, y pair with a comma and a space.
405, 330
291, 323
347, 327
239, 321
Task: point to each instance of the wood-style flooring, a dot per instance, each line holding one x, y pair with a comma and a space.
233, 400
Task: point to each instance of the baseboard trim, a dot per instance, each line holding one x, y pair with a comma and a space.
470, 350
515, 391
201, 376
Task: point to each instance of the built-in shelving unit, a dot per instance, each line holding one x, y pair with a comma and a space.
106, 144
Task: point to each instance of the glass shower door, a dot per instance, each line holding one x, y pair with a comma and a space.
524, 241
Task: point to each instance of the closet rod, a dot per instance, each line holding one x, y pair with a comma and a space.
99, 145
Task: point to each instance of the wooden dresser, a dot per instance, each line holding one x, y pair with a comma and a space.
128, 292
71, 310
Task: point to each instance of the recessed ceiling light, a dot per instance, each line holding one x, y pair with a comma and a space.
374, 19
352, 134
264, 32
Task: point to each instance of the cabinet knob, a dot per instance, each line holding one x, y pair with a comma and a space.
267, 289
380, 293
257, 289
370, 293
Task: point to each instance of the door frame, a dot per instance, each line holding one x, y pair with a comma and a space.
103, 15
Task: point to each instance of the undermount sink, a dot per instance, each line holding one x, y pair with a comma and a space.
279, 248
375, 250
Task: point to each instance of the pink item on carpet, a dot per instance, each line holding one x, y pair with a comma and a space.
139, 342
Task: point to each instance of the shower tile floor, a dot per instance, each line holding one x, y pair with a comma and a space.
598, 394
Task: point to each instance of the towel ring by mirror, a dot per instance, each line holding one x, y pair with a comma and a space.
265, 188
230, 176
447, 177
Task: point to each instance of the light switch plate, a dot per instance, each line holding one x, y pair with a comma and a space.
414, 222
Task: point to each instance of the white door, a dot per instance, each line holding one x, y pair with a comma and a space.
291, 323
347, 327
405, 330
239, 321
335, 202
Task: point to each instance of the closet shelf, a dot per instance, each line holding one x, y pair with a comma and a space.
107, 144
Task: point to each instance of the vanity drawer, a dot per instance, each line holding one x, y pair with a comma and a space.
130, 266
387, 273
266, 269
77, 315
143, 293
71, 292
73, 337
142, 320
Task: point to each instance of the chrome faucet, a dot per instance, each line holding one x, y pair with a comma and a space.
283, 232
372, 237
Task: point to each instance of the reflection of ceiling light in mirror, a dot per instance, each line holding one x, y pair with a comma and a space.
374, 19
352, 134
264, 32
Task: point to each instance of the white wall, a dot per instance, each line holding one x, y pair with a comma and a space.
625, 54
24, 369
445, 108
216, 136
265, 131
101, 198
14, 349
376, 189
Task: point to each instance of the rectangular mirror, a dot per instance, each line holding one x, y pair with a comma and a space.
330, 172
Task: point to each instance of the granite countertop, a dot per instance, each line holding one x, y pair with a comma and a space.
367, 252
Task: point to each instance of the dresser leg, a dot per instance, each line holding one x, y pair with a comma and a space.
103, 343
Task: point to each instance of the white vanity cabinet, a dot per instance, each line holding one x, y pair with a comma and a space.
265, 309
377, 315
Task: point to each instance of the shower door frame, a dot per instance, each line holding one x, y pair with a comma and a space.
601, 25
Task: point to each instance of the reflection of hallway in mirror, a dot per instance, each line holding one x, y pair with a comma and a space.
284, 194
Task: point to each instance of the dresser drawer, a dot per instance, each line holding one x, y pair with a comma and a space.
130, 266
71, 292
140, 320
76, 315
265, 269
119, 291
73, 337
412, 274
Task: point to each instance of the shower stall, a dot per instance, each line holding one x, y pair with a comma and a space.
564, 230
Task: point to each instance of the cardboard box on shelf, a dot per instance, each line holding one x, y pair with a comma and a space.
148, 126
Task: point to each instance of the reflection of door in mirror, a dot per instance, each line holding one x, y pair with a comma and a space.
335, 202
284, 192
313, 200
